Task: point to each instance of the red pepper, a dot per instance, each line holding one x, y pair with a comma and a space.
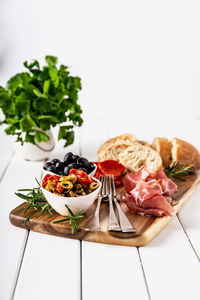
49, 177
82, 177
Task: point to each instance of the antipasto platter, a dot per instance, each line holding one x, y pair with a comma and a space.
153, 182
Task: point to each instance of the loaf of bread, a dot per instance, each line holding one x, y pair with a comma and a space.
163, 147
111, 148
185, 153
136, 156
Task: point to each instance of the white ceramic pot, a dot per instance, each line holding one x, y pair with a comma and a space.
37, 152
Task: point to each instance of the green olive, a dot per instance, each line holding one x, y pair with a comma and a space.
71, 178
93, 185
70, 194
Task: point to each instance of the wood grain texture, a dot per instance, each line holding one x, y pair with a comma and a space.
147, 227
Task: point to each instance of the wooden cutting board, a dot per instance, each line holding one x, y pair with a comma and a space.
147, 227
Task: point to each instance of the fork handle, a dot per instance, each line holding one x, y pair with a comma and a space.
112, 221
125, 224
94, 223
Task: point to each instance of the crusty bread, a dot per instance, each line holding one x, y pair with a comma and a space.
163, 147
112, 151
137, 155
185, 153
118, 143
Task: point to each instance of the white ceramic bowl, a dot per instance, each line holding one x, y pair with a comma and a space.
75, 203
45, 172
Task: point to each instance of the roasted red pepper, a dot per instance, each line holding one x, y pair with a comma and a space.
49, 177
82, 177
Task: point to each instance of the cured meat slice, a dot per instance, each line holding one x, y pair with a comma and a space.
158, 202
130, 202
168, 186
149, 193
145, 190
131, 179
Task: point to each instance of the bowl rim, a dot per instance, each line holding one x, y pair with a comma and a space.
81, 196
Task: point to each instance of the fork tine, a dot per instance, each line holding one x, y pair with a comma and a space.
101, 179
107, 184
113, 186
104, 186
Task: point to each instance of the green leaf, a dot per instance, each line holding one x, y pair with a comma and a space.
38, 93
26, 123
63, 131
51, 118
41, 136
30, 66
46, 87
51, 60
69, 138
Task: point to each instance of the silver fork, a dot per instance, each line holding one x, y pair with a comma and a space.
125, 224
94, 224
113, 224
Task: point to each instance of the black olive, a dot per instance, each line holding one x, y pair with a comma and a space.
59, 166
83, 169
83, 162
55, 161
76, 157
48, 164
69, 167
52, 168
66, 171
90, 167
69, 158
72, 166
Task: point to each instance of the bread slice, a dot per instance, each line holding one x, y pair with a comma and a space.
111, 148
137, 155
163, 147
185, 153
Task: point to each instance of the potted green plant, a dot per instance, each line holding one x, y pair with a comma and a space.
35, 101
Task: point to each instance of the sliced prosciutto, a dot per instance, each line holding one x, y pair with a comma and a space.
149, 193
130, 202
131, 179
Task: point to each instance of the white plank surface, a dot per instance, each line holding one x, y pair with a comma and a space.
171, 267
6, 150
20, 174
107, 269
189, 217
50, 269
112, 272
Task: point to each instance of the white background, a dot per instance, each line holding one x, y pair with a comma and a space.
136, 58
139, 62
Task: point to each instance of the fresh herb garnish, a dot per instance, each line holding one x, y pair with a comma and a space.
35, 100
36, 200
73, 219
177, 170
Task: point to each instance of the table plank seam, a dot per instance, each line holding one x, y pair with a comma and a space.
143, 272
20, 265
7, 165
81, 272
188, 238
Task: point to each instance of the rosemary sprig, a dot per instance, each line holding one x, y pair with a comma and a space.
35, 199
73, 219
177, 170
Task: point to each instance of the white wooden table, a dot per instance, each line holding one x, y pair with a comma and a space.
36, 266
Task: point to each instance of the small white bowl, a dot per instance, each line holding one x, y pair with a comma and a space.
75, 203
45, 172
